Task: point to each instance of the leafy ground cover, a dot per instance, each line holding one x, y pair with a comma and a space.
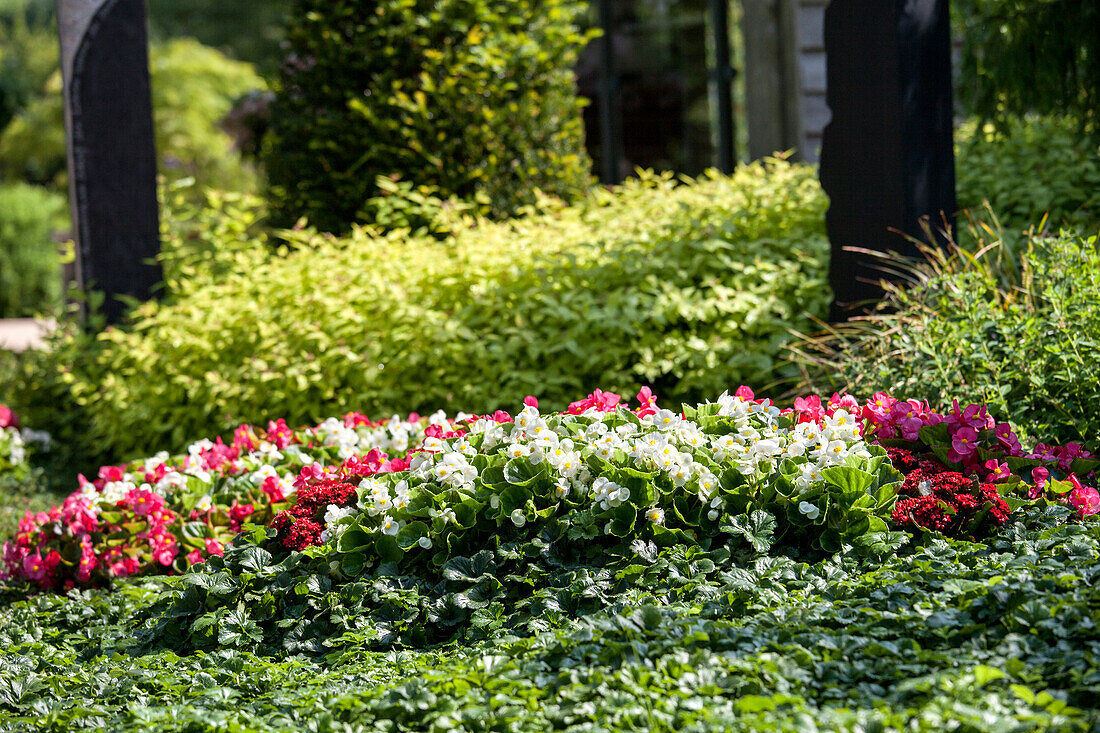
945, 634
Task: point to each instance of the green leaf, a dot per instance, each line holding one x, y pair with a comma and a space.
848, 479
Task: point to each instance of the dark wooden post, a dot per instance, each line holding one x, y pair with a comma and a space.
112, 157
887, 159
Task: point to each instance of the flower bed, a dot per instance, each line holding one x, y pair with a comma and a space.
824, 474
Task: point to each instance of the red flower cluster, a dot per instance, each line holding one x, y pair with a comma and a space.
947, 501
301, 525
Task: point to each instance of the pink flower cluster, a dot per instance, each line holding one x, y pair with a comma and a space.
62, 547
980, 446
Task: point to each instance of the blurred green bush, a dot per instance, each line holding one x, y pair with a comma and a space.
689, 287
193, 88
30, 264
472, 98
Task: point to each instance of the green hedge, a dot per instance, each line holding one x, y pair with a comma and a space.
690, 288
1020, 333
30, 265
475, 98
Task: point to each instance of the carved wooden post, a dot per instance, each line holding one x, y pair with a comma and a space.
112, 158
887, 158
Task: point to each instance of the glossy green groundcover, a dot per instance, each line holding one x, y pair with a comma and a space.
942, 635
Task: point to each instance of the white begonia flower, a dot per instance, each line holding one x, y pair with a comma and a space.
425, 542
446, 515
433, 445
439, 417
562, 487
517, 450
656, 515
683, 471
333, 515
390, 526
399, 441
810, 511
454, 470
199, 446
626, 430
595, 431
663, 419
205, 503
518, 518
608, 493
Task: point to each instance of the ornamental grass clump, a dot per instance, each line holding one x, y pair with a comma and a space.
1016, 329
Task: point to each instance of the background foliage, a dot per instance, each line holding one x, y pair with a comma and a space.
474, 97
689, 288
1021, 56
1028, 167
193, 88
30, 263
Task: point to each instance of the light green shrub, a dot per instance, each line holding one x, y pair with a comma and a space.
690, 288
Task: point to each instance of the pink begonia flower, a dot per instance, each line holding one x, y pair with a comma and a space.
273, 487
910, 428
1008, 439
1040, 476
34, 567
965, 441
213, 547
843, 402
745, 393
879, 405
279, 435
195, 557
529, 400
809, 408
8, 418
144, 503
1085, 499
997, 471
112, 473
244, 439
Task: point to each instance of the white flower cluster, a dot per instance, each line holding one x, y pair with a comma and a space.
759, 443
756, 445
13, 446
